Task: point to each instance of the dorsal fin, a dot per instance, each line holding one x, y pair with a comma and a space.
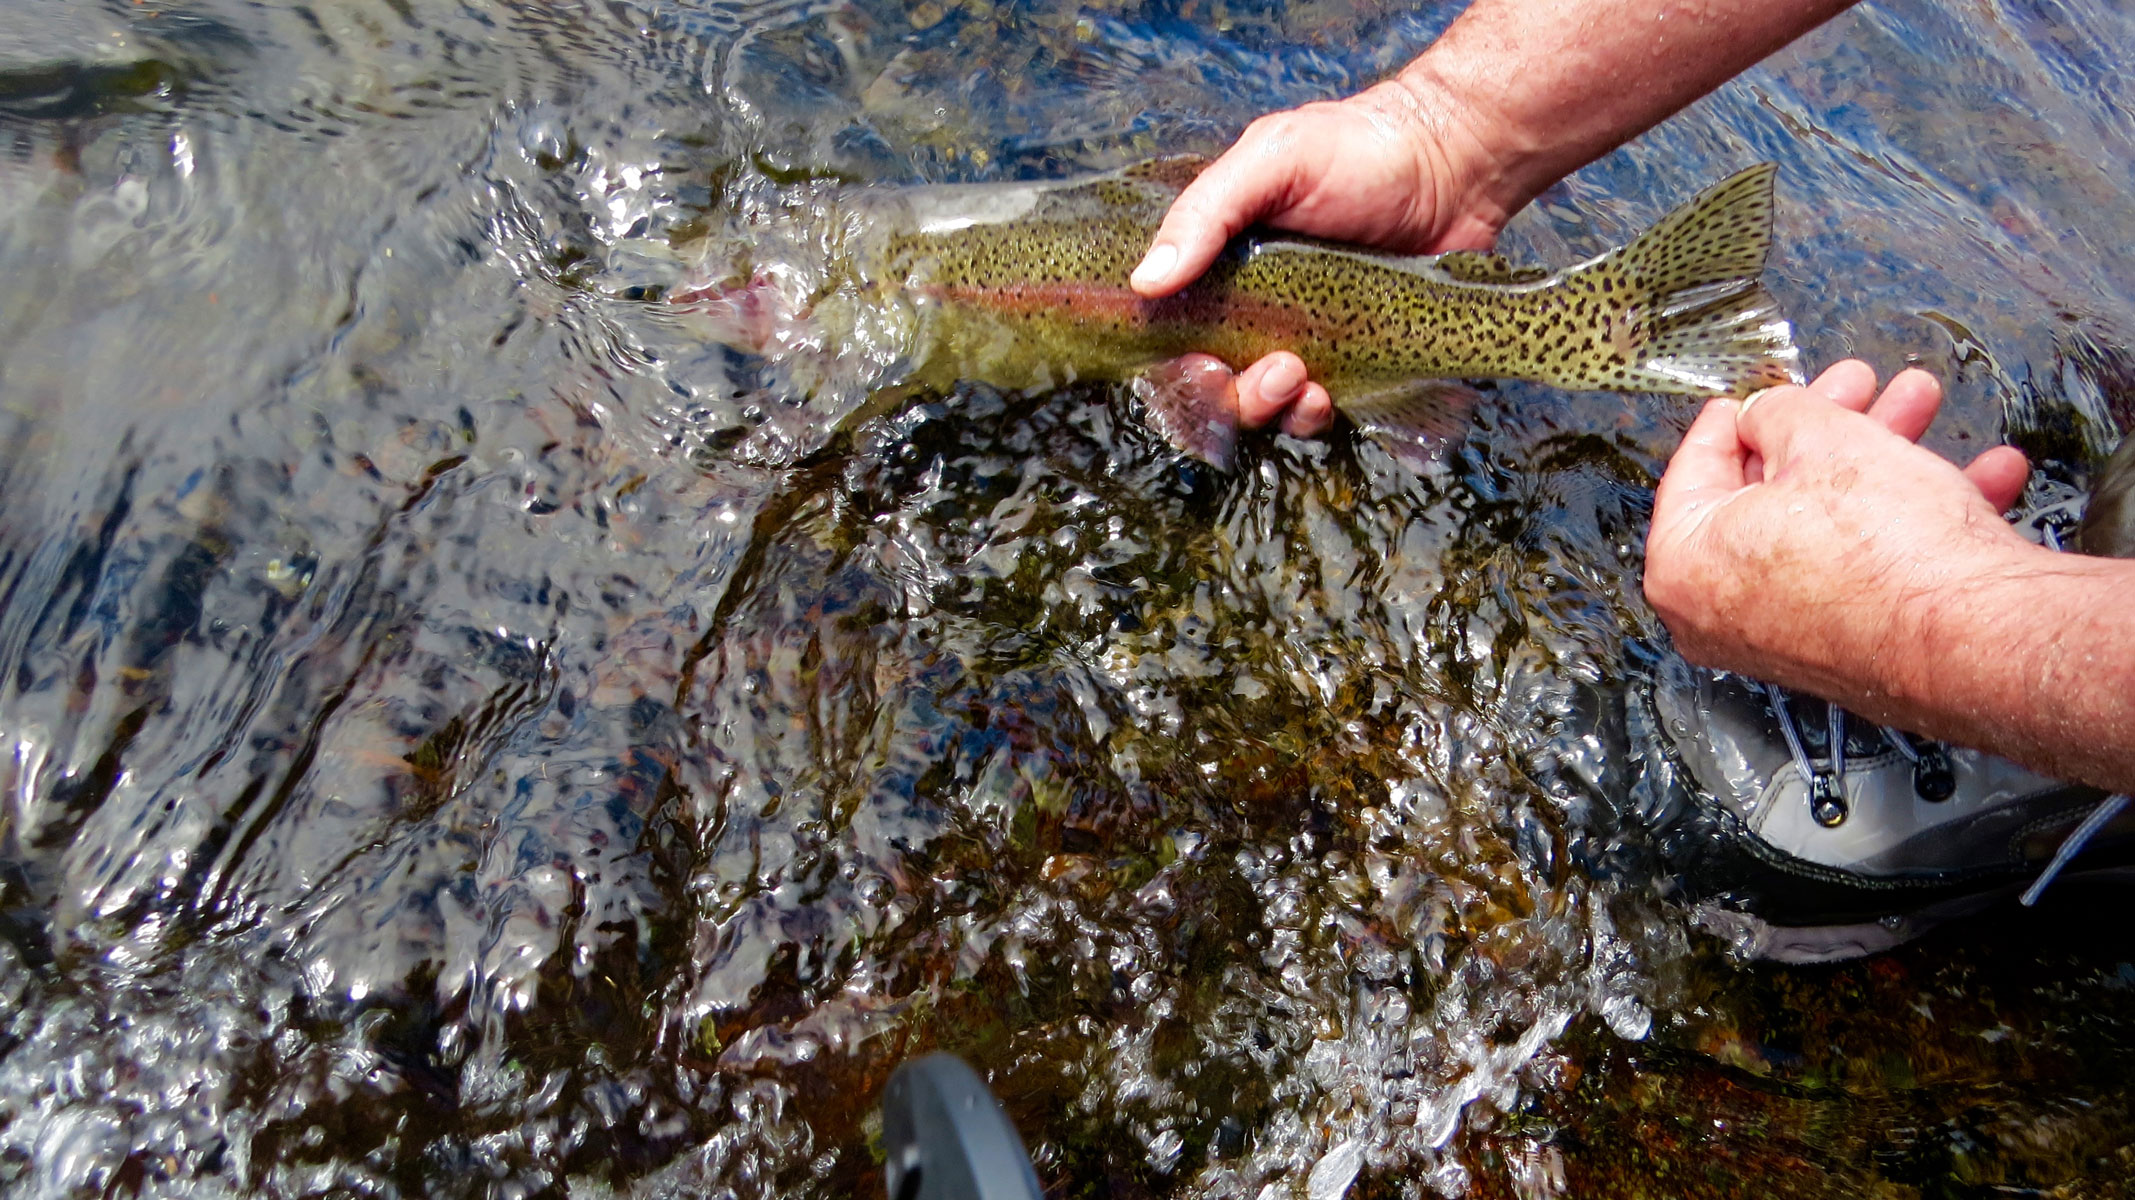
1461, 266
1481, 266
1172, 171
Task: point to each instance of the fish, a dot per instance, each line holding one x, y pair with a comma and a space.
1024, 287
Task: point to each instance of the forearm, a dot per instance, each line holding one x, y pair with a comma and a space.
2031, 657
1544, 87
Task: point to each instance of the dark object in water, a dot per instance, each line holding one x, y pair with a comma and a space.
947, 1138
2108, 527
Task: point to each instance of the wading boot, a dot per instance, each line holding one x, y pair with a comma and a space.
1842, 837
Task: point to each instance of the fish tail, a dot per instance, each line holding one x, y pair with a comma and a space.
1697, 321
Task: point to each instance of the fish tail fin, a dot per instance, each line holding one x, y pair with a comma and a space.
1701, 323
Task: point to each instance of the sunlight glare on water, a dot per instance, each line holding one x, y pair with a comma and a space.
468, 735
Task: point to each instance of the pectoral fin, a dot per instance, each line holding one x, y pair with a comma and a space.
1425, 412
1192, 401
744, 314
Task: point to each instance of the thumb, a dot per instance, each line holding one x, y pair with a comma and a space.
1248, 183
1707, 468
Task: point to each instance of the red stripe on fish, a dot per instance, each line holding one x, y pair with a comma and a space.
1122, 306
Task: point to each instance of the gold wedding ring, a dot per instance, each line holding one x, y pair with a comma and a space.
1743, 412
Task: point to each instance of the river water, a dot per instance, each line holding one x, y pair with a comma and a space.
458, 745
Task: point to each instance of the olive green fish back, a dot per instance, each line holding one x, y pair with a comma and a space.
1079, 231
1032, 282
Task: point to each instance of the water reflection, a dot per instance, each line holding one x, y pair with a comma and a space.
462, 740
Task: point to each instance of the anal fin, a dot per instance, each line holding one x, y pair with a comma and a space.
1422, 412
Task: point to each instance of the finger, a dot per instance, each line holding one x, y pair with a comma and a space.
1707, 467
1850, 384
1269, 386
1908, 403
1247, 183
1312, 415
2000, 475
1753, 414
1770, 426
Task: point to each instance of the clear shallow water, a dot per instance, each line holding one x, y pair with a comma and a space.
452, 751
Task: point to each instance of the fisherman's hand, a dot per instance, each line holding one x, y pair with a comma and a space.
1396, 166
1806, 541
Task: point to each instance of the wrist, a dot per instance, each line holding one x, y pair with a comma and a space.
2028, 660
1486, 168
1962, 633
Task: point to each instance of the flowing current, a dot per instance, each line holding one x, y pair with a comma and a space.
465, 736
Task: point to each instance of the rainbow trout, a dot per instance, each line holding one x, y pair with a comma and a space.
1024, 286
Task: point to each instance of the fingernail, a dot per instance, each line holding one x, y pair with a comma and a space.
1279, 384
1156, 267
